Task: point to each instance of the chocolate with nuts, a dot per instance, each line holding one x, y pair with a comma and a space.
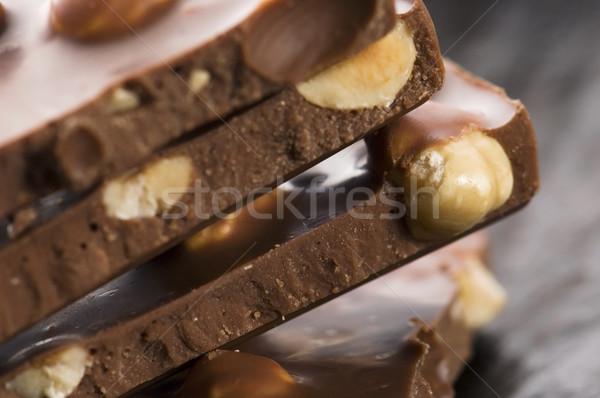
297, 275
448, 162
99, 107
127, 220
400, 336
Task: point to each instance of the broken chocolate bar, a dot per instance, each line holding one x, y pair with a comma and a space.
245, 298
406, 334
128, 219
98, 107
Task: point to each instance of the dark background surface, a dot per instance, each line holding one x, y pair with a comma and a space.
547, 53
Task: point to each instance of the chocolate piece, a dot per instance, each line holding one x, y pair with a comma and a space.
288, 41
399, 336
83, 83
92, 242
216, 247
291, 279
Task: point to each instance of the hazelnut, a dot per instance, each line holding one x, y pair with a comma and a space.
451, 186
480, 296
54, 377
373, 77
95, 19
142, 194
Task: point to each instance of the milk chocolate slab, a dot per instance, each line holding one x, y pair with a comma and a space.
89, 244
398, 336
297, 275
78, 106
308, 194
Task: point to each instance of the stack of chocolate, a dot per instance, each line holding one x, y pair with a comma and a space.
184, 182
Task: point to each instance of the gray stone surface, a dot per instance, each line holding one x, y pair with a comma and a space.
547, 53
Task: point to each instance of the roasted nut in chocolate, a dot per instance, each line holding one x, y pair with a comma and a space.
54, 377
142, 194
122, 100
289, 41
95, 19
373, 77
481, 297
452, 185
198, 79
226, 374
212, 234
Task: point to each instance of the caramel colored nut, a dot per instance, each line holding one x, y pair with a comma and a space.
452, 186
480, 298
212, 234
96, 19
54, 377
143, 194
122, 100
199, 78
373, 77
228, 374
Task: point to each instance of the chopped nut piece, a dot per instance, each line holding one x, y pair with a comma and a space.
371, 78
94, 19
198, 79
481, 297
122, 100
55, 377
142, 194
453, 185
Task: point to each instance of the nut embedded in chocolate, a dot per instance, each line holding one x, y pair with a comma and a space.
198, 80
452, 185
373, 77
145, 193
97, 19
54, 377
122, 100
226, 374
288, 41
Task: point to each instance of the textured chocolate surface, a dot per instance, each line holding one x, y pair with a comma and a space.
56, 116
396, 336
83, 247
287, 281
